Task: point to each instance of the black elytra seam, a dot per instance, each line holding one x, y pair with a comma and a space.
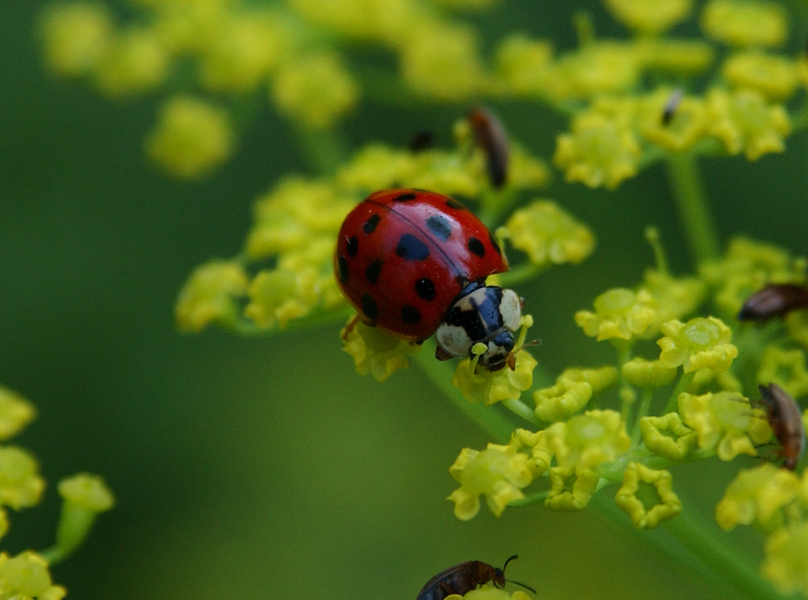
342, 268
475, 246
440, 226
369, 307
370, 225
410, 314
373, 271
353, 246
425, 288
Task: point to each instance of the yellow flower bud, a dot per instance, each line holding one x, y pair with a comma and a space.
667, 436
547, 234
211, 295
492, 387
619, 313
627, 497
15, 413
76, 36
649, 16
745, 22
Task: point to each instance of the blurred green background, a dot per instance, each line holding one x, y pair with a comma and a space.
267, 468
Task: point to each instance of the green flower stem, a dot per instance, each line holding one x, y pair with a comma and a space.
325, 149
684, 382
520, 408
521, 273
693, 210
642, 411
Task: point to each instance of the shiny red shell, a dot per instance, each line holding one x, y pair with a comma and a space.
404, 255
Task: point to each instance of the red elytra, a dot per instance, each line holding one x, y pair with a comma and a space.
403, 256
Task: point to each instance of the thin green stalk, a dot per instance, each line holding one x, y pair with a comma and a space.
684, 382
325, 149
691, 202
645, 405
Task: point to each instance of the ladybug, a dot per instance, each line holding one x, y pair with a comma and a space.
413, 263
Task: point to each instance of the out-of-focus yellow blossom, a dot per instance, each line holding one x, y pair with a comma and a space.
726, 422
520, 61
20, 482
570, 489
467, 4
280, 295
647, 373
190, 28
744, 121
597, 68
25, 577
526, 171
619, 313
498, 472
797, 327
85, 496
491, 388
15, 413
649, 16
247, 46
192, 137
786, 560
706, 380
389, 22
376, 167
786, 368
76, 36
757, 495
701, 342
772, 75
667, 436
665, 507
442, 62
211, 295
135, 62
294, 213
315, 89
572, 391
548, 234
681, 57
313, 257
745, 22
598, 152
376, 352
587, 440
746, 267
687, 126
676, 298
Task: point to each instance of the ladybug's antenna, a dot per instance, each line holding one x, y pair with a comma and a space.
527, 587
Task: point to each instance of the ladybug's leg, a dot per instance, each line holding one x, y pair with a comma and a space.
349, 327
441, 354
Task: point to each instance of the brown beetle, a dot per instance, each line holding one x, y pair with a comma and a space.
490, 136
785, 419
462, 578
774, 300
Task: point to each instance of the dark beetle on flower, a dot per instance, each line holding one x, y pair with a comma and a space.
462, 578
774, 300
489, 134
785, 419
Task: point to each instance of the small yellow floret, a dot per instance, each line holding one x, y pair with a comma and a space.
570, 489
664, 505
572, 391
87, 491
520, 62
491, 388
786, 561
15, 413
191, 139
136, 62
677, 56
387, 21
619, 313
548, 234
772, 75
20, 482
376, 352
647, 373
701, 342
667, 436
211, 295
587, 440
649, 16
744, 121
26, 576
599, 151
757, 495
726, 422
687, 125
76, 36
785, 368
597, 68
745, 22
315, 89
676, 298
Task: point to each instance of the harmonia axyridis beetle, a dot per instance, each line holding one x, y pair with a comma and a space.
413, 263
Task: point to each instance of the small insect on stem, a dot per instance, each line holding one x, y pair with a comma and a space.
462, 578
490, 136
669, 110
774, 300
785, 419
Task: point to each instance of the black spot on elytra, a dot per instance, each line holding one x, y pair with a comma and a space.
373, 271
370, 225
411, 248
476, 247
494, 243
353, 246
425, 288
439, 226
452, 203
410, 314
405, 197
342, 268
369, 307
